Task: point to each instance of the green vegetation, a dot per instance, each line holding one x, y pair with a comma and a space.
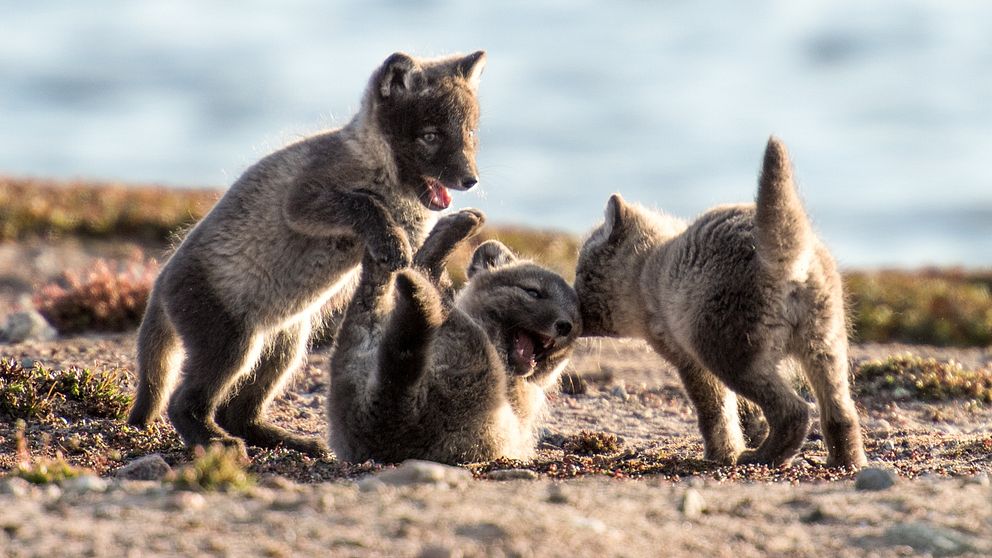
43, 470
949, 307
592, 443
104, 299
216, 468
39, 393
924, 379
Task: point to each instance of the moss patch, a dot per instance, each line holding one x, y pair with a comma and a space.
924, 378
39, 393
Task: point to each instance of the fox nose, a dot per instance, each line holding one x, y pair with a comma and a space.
467, 183
563, 327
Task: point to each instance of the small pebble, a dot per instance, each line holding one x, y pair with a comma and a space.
85, 483
557, 494
15, 486
620, 392
416, 471
188, 501
440, 551
888, 445
512, 474
873, 478
693, 505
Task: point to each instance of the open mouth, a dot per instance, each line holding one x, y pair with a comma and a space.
527, 348
437, 194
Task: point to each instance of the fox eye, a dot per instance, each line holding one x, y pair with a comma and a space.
533, 293
430, 136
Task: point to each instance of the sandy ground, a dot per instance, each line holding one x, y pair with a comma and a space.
653, 495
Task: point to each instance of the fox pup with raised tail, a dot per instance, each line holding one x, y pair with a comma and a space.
413, 376
728, 299
240, 294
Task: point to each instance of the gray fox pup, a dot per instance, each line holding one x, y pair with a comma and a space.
239, 296
417, 376
728, 299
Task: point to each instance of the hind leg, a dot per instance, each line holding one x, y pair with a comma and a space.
243, 414
827, 371
215, 358
786, 413
716, 413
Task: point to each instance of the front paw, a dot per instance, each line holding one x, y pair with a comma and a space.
392, 251
464, 223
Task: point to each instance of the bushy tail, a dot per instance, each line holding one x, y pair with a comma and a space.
783, 232
157, 349
407, 339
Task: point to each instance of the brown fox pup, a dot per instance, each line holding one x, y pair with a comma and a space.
241, 293
414, 377
727, 299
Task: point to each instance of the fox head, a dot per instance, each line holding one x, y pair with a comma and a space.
530, 313
427, 112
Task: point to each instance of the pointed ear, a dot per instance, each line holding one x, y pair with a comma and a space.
490, 255
616, 215
471, 68
396, 75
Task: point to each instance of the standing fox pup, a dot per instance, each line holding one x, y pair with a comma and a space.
417, 378
240, 294
727, 299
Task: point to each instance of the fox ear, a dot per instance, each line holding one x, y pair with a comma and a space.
616, 215
490, 255
471, 68
396, 75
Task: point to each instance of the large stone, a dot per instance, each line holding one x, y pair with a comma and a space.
27, 326
148, 467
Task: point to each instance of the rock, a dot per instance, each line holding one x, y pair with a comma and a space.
85, 483
874, 478
415, 471
511, 474
15, 486
558, 495
188, 501
929, 539
888, 445
27, 326
370, 484
620, 392
981, 479
692, 505
148, 467
440, 551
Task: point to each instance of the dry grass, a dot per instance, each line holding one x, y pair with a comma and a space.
106, 298
46, 208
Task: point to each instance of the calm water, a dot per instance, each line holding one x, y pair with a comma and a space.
886, 105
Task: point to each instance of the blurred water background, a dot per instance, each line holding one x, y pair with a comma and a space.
886, 105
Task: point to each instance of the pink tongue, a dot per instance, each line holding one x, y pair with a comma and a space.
439, 196
523, 348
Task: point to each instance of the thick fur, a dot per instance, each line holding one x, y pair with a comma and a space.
728, 299
240, 294
415, 377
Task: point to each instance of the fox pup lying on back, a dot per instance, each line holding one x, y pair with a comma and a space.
240, 294
451, 382
727, 299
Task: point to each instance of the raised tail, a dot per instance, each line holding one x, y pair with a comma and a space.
408, 336
157, 367
783, 233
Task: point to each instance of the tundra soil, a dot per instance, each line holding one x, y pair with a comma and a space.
619, 472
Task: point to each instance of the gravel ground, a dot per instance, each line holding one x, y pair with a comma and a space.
649, 494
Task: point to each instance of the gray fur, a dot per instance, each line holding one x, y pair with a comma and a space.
240, 294
413, 377
728, 299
